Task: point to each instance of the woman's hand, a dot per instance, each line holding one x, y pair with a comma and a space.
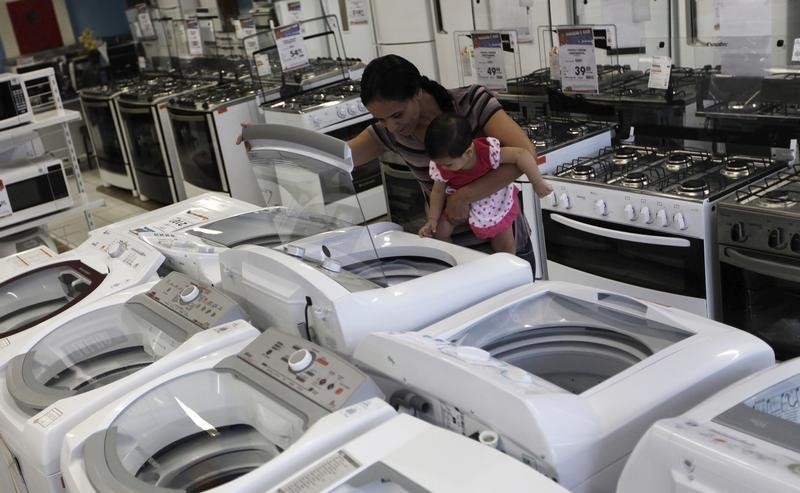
239, 139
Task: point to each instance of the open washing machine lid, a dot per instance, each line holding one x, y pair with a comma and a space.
41, 293
206, 428
102, 346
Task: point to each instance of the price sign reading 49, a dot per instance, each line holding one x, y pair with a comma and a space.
291, 48
489, 60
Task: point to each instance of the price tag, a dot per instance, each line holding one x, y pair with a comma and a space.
659, 72
5, 204
193, 38
237, 28
207, 31
796, 50
295, 12
262, 64
555, 68
357, 12
145, 24
291, 48
250, 41
576, 60
489, 60
142, 62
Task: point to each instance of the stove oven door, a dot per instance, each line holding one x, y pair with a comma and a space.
761, 294
147, 154
663, 268
195, 140
103, 133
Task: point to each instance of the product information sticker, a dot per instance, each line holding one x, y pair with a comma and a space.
576, 60
489, 60
5, 204
291, 48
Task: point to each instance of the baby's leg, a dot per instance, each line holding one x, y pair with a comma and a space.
444, 230
504, 242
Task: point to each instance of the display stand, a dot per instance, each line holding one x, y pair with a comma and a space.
48, 112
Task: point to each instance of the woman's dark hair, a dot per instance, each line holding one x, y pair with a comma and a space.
393, 78
448, 135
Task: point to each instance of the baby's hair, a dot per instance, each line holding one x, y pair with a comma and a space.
448, 135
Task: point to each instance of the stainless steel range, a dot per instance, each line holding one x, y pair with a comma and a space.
148, 135
759, 251
773, 98
319, 72
642, 221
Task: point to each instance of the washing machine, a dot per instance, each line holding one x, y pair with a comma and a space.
231, 421
746, 438
568, 377
38, 285
336, 287
77, 364
402, 454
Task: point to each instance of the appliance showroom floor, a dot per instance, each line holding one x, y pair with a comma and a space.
72, 231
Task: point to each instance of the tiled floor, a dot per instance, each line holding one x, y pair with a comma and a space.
74, 230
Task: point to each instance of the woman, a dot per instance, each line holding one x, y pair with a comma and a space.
404, 103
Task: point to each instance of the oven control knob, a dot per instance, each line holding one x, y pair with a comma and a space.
341, 111
646, 216
679, 220
738, 233
315, 121
362, 108
630, 212
117, 250
661, 216
794, 244
777, 239
563, 201
601, 208
352, 109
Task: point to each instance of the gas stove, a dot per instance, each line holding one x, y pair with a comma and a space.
323, 109
108, 91
156, 90
319, 72
682, 88
776, 97
215, 97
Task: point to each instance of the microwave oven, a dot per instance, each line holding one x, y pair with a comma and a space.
15, 106
31, 188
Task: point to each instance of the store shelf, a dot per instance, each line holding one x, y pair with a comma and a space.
83, 204
40, 121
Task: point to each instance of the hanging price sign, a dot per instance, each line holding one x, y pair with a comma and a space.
193, 38
659, 72
248, 29
576, 60
489, 60
291, 48
145, 24
262, 64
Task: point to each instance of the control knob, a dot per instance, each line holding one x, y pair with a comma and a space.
563, 201
777, 239
661, 216
680, 221
646, 216
362, 108
190, 293
601, 208
630, 212
300, 360
554, 198
117, 250
738, 233
794, 244
341, 111
352, 109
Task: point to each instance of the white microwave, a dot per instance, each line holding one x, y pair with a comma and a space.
15, 106
31, 188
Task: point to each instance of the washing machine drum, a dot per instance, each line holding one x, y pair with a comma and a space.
388, 271
193, 433
35, 296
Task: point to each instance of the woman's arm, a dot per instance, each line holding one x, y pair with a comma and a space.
506, 130
365, 147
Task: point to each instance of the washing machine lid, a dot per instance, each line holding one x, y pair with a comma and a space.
772, 415
39, 294
107, 344
570, 342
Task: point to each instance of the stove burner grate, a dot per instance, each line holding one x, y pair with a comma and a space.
694, 188
635, 179
737, 168
678, 161
583, 172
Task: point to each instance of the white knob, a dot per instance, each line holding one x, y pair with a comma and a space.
315, 121
600, 207
470, 353
661, 215
332, 265
517, 375
117, 249
630, 212
563, 200
352, 109
680, 221
361, 107
554, 199
647, 217
300, 360
341, 111
190, 293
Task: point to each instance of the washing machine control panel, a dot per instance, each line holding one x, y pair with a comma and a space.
312, 371
124, 249
199, 303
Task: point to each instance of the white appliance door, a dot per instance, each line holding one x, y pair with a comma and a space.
456, 15
423, 55
358, 34
408, 21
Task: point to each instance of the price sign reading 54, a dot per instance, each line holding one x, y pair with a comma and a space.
291, 48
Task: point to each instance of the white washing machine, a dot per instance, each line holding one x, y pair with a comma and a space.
220, 423
38, 285
75, 365
746, 438
336, 287
402, 454
568, 377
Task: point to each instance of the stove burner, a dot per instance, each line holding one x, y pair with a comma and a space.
542, 142
742, 106
736, 168
535, 128
678, 161
583, 172
624, 156
776, 199
635, 180
694, 188
577, 131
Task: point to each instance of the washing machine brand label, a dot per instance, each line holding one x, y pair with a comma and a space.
48, 417
324, 475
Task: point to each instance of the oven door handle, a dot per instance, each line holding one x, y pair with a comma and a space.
621, 235
760, 266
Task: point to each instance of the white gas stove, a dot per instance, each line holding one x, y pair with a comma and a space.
324, 109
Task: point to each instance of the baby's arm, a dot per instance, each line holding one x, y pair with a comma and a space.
526, 163
435, 209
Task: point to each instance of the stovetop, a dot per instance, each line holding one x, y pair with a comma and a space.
111, 89
776, 194
151, 91
214, 97
683, 173
323, 97
548, 133
774, 97
319, 71
538, 81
